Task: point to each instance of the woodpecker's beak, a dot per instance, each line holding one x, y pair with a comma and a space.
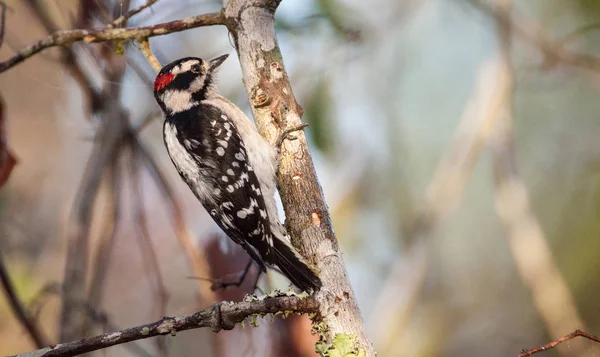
214, 64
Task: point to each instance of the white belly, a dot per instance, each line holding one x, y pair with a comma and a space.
187, 165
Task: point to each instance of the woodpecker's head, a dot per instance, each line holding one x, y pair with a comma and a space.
183, 83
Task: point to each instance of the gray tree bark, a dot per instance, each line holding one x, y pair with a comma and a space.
251, 23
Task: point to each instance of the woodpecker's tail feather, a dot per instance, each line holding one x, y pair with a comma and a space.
294, 267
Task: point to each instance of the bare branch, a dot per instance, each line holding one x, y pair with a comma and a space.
123, 19
220, 316
150, 259
144, 122
69, 57
97, 316
558, 341
106, 149
65, 38
112, 217
147, 51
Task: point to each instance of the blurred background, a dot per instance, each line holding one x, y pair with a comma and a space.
456, 142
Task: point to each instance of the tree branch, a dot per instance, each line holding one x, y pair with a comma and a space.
147, 52
558, 341
251, 24
65, 38
220, 316
123, 19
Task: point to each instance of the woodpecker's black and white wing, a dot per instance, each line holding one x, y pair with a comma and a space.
211, 157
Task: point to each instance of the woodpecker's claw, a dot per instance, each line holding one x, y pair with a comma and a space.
284, 134
221, 284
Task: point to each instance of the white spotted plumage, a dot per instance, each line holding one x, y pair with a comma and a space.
261, 154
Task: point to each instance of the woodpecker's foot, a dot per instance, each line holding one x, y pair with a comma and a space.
285, 133
219, 284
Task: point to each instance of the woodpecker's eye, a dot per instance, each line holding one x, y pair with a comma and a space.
196, 68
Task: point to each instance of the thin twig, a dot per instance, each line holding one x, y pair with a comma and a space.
147, 249
558, 341
220, 316
107, 147
65, 38
96, 315
145, 122
39, 299
145, 241
69, 58
221, 283
108, 235
147, 51
122, 19
578, 32
17, 306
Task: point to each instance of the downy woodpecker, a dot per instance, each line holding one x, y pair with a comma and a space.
228, 165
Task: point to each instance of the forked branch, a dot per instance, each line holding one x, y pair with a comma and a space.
558, 341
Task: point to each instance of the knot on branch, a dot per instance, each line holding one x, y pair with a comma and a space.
215, 322
259, 98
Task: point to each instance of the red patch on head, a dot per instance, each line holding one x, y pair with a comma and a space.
162, 81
